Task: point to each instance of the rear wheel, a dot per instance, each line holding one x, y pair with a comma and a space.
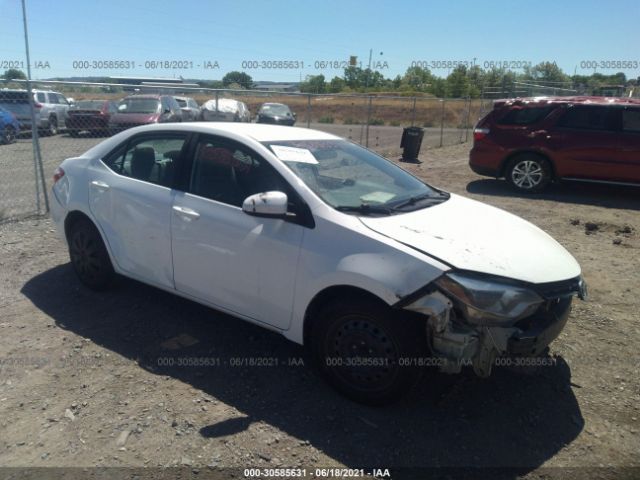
89, 256
53, 126
364, 350
529, 173
8, 134
74, 133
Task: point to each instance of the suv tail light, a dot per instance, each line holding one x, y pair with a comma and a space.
37, 105
57, 175
480, 133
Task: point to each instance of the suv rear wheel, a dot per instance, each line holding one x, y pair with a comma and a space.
53, 126
364, 350
528, 172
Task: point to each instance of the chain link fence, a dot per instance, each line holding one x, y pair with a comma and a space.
71, 117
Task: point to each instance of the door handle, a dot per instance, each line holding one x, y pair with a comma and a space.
186, 213
100, 185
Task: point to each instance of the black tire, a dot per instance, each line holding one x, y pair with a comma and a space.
8, 135
529, 173
89, 256
376, 339
53, 126
74, 133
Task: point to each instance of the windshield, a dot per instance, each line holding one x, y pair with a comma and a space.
353, 179
139, 105
273, 109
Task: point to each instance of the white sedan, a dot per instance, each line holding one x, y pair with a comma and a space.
315, 237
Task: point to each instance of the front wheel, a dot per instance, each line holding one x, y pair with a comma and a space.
528, 173
89, 256
366, 350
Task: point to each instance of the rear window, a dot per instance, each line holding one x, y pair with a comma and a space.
88, 105
586, 118
13, 97
181, 102
525, 116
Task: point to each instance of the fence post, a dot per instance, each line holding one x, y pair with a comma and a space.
413, 113
366, 142
467, 125
37, 155
442, 122
309, 111
217, 96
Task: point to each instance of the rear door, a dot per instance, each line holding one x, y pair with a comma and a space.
584, 142
630, 145
130, 196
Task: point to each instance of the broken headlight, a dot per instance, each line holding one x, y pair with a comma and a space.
489, 301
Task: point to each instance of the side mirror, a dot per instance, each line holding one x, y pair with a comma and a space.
294, 114
266, 204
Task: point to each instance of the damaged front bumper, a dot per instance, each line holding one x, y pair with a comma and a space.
459, 342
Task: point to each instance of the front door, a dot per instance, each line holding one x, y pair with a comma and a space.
241, 263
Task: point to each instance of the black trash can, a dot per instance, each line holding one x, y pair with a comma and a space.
410, 143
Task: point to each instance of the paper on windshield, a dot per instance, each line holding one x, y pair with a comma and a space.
377, 197
293, 154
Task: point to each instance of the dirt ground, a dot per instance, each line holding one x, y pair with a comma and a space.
85, 378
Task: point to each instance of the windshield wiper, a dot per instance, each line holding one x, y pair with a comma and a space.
434, 199
365, 209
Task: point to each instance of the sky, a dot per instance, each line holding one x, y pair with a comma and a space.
287, 40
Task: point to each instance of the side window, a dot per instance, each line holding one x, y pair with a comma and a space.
113, 108
525, 116
53, 98
631, 120
152, 159
192, 103
41, 97
587, 118
229, 172
165, 104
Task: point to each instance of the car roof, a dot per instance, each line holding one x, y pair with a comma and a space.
257, 131
582, 99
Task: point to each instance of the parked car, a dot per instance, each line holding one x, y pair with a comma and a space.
276, 113
136, 110
534, 141
225, 110
9, 126
90, 116
189, 107
50, 109
320, 239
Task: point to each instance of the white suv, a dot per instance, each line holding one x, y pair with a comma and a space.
310, 235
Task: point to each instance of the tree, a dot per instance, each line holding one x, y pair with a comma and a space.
12, 73
337, 85
548, 72
458, 82
417, 78
241, 78
314, 84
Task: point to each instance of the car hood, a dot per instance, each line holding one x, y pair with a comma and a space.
141, 118
470, 235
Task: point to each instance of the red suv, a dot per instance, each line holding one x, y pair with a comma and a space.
534, 141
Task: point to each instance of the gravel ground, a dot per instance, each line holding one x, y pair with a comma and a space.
85, 381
